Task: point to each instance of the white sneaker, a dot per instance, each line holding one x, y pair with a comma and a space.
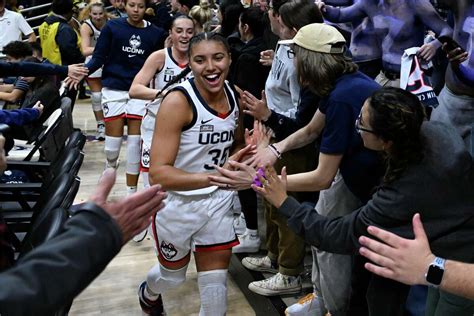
100, 135
140, 236
263, 264
248, 243
278, 284
239, 224
308, 305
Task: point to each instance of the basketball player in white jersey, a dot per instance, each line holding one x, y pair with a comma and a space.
162, 70
158, 75
90, 31
196, 129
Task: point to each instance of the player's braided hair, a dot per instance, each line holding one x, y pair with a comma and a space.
396, 115
176, 79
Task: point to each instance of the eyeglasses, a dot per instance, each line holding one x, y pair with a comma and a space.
359, 127
290, 53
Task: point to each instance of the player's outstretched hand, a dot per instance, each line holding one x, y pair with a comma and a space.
132, 213
77, 71
239, 176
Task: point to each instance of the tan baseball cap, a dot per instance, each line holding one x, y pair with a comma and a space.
318, 37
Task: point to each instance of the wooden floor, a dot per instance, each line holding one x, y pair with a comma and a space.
114, 292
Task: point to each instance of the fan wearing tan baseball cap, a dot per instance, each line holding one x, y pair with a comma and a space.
347, 171
318, 37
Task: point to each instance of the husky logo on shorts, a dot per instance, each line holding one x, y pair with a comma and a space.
168, 250
105, 108
146, 158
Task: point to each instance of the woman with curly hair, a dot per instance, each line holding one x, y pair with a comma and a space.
428, 171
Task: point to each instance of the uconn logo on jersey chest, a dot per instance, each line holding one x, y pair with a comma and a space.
208, 136
170, 75
135, 42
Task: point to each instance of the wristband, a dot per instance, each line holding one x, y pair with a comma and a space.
275, 151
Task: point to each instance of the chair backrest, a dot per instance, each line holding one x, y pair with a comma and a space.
46, 227
68, 162
56, 141
76, 139
53, 197
50, 125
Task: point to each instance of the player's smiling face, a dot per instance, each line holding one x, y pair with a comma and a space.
181, 32
210, 63
97, 14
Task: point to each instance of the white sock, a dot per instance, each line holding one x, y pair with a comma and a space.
146, 181
131, 190
112, 149
213, 292
149, 295
133, 154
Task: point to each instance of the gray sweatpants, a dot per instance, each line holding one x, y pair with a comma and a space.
331, 275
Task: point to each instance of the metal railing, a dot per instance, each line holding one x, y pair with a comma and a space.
46, 5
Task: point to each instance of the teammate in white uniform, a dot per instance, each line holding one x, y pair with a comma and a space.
90, 31
162, 70
159, 73
195, 130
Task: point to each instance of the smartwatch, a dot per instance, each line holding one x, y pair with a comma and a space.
435, 272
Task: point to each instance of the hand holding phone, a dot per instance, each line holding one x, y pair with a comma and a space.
449, 44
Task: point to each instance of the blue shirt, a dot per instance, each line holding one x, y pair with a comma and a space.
360, 167
122, 49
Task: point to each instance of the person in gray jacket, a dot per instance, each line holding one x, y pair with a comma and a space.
428, 171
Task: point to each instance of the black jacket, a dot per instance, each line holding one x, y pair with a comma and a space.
246, 70
57, 271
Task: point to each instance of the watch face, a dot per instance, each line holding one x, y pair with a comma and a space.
434, 275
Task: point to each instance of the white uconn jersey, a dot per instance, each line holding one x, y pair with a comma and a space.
170, 70
208, 139
95, 32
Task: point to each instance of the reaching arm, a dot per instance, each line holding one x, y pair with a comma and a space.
75, 71
140, 86
13, 96
303, 136
284, 126
18, 117
316, 180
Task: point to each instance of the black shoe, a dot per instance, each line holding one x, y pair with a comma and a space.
83, 96
153, 308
